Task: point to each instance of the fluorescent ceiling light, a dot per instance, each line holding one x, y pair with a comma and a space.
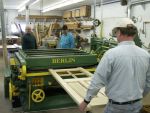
23, 4
21, 9
36, 1
60, 4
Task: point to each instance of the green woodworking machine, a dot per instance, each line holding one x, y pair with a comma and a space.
30, 85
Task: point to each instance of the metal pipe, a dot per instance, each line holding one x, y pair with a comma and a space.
94, 30
101, 27
5, 54
27, 14
129, 9
101, 10
139, 2
7, 22
110, 2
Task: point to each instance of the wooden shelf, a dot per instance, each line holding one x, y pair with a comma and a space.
74, 19
22, 17
86, 27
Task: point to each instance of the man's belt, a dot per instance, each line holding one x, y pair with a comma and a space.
123, 103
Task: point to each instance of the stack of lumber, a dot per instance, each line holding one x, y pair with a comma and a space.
67, 14
72, 25
44, 31
87, 27
85, 11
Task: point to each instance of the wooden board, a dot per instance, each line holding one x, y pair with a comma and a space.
22, 17
37, 35
76, 81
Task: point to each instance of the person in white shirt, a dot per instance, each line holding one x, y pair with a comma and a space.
124, 71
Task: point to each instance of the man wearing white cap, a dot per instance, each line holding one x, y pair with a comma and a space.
124, 71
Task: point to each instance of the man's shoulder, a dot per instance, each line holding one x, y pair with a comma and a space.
109, 53
70, 34
141, 50
119, 50
112, 50
26, 35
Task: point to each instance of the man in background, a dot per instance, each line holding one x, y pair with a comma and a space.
28, 40
124, 71
66, 40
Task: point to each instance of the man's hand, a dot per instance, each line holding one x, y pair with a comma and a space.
83, 106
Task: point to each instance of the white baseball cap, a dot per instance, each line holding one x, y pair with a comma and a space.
124, 23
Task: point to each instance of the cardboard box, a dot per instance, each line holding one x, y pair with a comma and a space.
56, 26
67, 14
85, 11
77, 13
72, 25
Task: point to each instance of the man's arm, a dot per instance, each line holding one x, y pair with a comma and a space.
147, 85
99, 78
98, 81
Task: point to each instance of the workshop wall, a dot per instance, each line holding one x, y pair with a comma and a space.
112, 13
10, 19
140, 12
11, 14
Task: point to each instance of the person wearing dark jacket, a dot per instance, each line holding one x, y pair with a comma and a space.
28, 40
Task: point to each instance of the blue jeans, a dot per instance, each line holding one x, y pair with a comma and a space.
129, 108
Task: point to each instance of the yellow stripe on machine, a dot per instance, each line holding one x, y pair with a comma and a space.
12, 61
37, 74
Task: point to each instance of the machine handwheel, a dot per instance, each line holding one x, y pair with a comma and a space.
38, 95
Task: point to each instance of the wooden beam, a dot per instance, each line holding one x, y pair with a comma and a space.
22, 17
77, 79
70, 91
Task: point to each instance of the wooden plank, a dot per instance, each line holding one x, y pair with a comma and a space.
79, 74
69, 90
72, 69
84, 84
64, 74
37, 35
85, 71
80, 90
50, 28
102, 90
39, 17
77, 79
100, 100
77, 87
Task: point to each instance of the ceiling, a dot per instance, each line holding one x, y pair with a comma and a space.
13, 4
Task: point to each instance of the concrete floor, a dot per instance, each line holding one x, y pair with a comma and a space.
5, 106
